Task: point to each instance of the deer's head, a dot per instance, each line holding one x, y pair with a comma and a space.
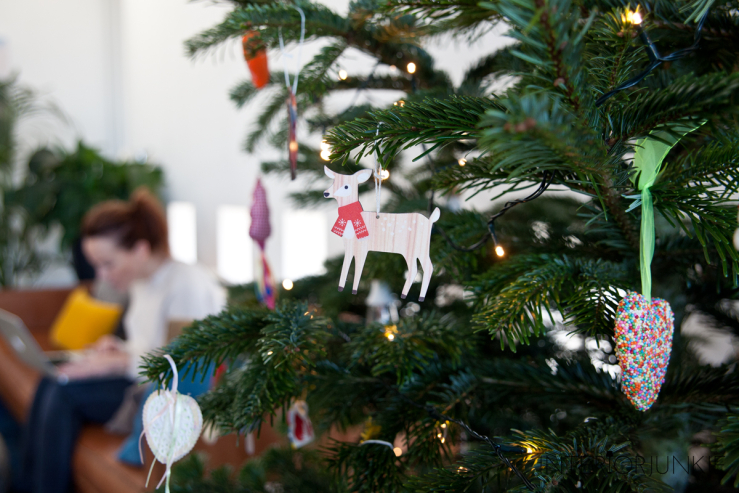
345, 188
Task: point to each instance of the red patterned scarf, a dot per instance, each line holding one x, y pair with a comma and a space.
353, 213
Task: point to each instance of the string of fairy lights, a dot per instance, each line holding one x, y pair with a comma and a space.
635, 18
441, 428
443, 421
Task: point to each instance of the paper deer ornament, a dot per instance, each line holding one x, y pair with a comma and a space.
365, 231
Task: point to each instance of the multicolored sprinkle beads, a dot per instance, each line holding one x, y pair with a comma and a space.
643, 346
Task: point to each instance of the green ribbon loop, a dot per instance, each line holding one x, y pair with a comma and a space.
650, 153
647, 243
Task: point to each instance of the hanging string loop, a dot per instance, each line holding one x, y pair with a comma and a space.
294, 86
378, 174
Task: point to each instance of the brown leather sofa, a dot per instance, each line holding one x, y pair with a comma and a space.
95, 466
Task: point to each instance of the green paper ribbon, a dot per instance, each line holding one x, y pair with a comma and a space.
650, 152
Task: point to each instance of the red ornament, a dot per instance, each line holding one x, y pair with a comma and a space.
292, 110
256, 58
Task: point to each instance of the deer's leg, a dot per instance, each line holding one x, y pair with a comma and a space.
428, 269
359, 257
412, 271
348, 254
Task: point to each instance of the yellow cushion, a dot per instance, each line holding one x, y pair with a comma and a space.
83, 320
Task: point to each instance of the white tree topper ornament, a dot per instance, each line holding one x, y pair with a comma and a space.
365, 231
172, 425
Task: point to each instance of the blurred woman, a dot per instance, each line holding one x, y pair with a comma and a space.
127, 244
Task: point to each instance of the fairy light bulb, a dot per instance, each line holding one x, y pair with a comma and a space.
529, 450
397, 451
411, 68
462, 161
287, 284
343, 74
632, 17
499, 251
384, 174
325, 151
390, 331
293, 146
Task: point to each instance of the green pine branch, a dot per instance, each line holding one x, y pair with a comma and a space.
457, 16
390, 131
518, 299
727, 448
709, 97
276, 18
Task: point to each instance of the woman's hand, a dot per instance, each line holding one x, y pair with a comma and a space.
108, 343
96, 364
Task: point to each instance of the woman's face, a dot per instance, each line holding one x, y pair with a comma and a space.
114, 264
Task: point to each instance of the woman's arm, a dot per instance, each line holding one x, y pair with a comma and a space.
110, 362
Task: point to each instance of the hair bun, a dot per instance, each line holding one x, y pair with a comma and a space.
140, 218
143, 202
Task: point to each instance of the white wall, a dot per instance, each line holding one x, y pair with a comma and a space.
118, 69
62, 49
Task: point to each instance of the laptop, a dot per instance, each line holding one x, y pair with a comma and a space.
25, 346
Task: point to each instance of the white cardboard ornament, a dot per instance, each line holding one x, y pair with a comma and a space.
172, 425
370, 231
300, 428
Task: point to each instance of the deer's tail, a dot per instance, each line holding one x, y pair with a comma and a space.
435, 216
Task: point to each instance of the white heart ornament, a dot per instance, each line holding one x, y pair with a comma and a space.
171, 428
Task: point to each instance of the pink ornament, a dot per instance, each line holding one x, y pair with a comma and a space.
260, 228
259, 232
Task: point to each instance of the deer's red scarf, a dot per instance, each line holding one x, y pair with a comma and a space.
353, 213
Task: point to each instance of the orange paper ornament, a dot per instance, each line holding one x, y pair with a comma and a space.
256, 58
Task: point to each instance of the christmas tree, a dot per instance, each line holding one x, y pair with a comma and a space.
506, 377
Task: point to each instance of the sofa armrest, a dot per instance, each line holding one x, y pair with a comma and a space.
37, 308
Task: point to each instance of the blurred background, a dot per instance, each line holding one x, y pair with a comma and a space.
112, 77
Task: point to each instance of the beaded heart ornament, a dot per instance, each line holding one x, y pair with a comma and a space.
644, 326
643, 346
